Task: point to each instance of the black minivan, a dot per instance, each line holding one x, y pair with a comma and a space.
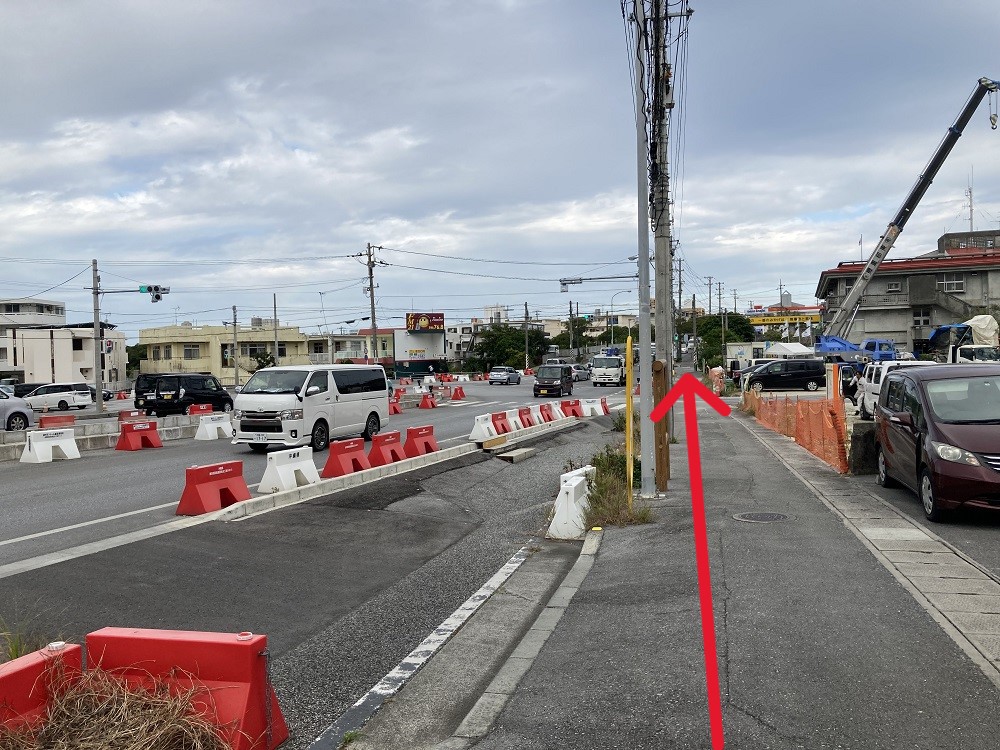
175, 394
788, 373
553, 380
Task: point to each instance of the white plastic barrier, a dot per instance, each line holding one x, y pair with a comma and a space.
42, 446
584, 471
515, 419
483, 429
536, 414
461, 378
569, 521
430, 380
592, 407
557, 411
214, 426
287, 470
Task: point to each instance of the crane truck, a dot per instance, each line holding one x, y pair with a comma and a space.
833, 344
975, 340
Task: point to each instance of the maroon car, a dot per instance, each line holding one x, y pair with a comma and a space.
937, 431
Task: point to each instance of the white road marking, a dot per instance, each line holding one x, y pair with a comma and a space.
83, 524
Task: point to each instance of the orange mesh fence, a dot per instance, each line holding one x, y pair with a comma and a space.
818, 426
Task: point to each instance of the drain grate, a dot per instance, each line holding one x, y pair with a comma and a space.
761, 517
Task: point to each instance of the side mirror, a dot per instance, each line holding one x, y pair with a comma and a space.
312, 390
904, 418
238, 388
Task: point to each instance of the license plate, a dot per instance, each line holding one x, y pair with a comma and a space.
542, 390
167, 396
259, 437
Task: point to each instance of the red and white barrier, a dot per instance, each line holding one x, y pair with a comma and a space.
138, 435
287, 470
228, 673
572, 408
346, 457
213, 487
24, 687
214, 426
194, 409
514, 419
524, 417
395, 408
131, 415
457, 393
420, 441
572, 503
483, 429
594, 407
41, 446
49, 421
387, 448
428, 402
500, 423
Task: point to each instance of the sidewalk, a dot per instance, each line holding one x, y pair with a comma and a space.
823, 640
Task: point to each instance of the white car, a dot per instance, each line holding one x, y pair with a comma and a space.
871, 384
580, 372
60, 396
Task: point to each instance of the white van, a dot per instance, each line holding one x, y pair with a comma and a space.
608, 371
309, 405
60, 396
874, 374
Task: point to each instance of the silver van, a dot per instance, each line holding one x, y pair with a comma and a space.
310, 404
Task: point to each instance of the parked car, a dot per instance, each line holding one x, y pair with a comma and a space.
580, 372
8, 389
553, 380
788, 373
145, 386
936, 433
106, 395
15, 413
23, 389
505, 375
60, 396
872, 385
176, 394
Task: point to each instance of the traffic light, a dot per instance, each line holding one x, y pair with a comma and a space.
155, 291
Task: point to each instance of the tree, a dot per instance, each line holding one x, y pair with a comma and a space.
504, 345
738, 328
262, 360
135, 353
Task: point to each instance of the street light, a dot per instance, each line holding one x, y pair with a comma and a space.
623, 291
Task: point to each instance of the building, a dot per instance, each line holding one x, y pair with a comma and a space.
908, 297
37, 345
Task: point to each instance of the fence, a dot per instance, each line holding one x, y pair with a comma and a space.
818, 426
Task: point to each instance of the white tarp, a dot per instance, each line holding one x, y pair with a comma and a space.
781, 349
984, 330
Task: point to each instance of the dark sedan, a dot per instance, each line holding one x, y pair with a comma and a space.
937, 432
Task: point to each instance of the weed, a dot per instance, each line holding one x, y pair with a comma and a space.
351, 736
611, 502
20, 637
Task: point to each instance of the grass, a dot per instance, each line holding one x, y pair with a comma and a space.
98, 711
611, 499
20, 638
351, 736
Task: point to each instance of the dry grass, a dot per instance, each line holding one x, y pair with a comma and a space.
610, 497
98, 711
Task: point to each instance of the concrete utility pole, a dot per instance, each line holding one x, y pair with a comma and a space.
527, 362
98, 339
694, 333
275, 329
680, 300
646, 436
371, 298
236, 352
571, 324
709, 294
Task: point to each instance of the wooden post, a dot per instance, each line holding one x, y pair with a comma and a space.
661, 439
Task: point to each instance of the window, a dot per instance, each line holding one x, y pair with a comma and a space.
156, 352
77, 345
894, 287
894, 395
167, 351
951, 282
192, 351
253, 348
320, 380
921, 316
3, 353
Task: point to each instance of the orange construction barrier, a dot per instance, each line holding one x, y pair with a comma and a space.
500, 423
126, 415
524, 414
229, 673
121, 396
636, 390
213, 487
23, 684
457, 393
199, 409
428, 402
529, 371
387, 448
572, 408
546, 412
56, 420
138, 435
604, 405
395, 408
346, 457
419, 441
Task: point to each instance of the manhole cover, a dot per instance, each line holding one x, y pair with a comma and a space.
761, 517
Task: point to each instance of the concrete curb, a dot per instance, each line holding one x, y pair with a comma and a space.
484, 713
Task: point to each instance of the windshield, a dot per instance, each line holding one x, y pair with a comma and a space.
607, 362
548, 372
275, 381
965, 399
981, 353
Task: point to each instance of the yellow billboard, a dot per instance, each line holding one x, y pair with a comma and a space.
775, 320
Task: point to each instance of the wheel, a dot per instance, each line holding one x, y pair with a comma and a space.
320, 436
63, 406
812, 385
757, 387
258, 447
187, 410
491, 382
16, 422
150, 412
81, 408
518, 381
932, 510
227, 407
372, 427
882, 478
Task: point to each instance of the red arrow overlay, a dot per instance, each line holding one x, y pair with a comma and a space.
689, 386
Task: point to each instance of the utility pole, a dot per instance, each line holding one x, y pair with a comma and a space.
98, 339
735, 308
710, 295
236, 351
571, 324
275, 329
527, 362
722, 318
694, 334
579, 339
680, 300
371, 298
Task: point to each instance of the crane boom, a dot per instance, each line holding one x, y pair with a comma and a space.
840, 322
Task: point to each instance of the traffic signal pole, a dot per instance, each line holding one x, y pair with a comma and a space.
98, 339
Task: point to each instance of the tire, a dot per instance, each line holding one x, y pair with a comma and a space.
258, 447
187, 410
81, 408
812, 385
63, 406
320, 436
882, 478
372, 426
227, 407
17, 422
932, 510
757, 387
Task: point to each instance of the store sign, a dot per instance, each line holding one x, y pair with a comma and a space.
424, 321
416, 353
774, 320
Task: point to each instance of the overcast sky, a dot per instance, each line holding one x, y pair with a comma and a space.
234, 150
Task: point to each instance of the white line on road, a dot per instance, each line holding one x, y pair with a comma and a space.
85, 523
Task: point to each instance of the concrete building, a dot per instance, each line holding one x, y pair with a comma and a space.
908, 297
37, 345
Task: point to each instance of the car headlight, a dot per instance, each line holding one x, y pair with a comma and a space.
291, 414
237, 414
957, 455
